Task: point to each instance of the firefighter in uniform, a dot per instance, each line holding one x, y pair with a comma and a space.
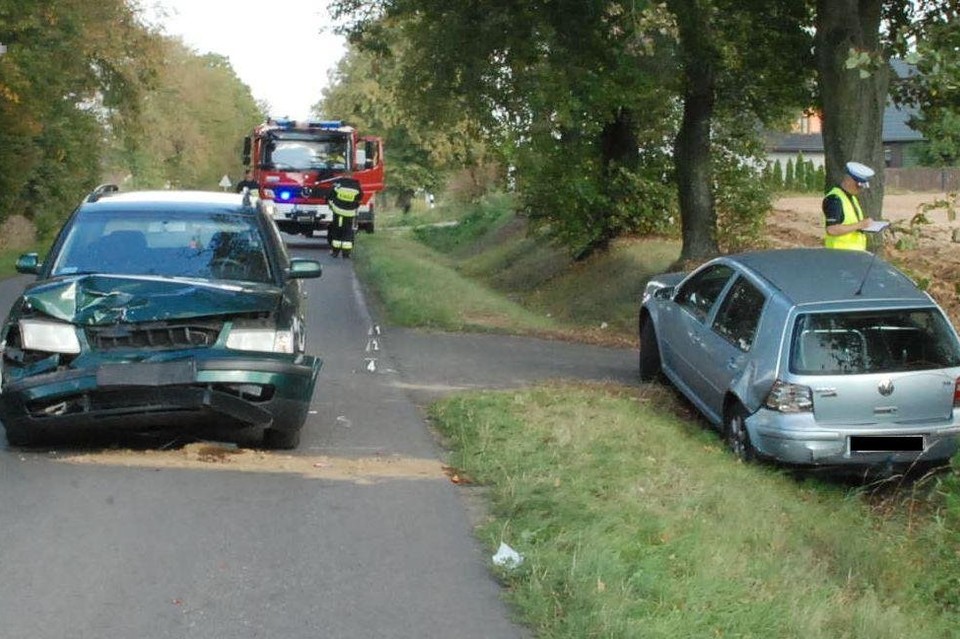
248, 183
844, 218
344, 200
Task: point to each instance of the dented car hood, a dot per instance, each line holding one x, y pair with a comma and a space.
91, 300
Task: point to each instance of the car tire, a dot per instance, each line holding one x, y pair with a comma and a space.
736, 435
275, 439
649, 353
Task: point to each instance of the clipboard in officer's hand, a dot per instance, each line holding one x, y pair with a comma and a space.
876, 226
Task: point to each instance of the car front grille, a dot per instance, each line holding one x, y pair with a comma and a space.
159, 336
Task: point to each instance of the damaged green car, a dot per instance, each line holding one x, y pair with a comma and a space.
160, 310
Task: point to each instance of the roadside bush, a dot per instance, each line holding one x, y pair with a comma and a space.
742, 201
479, 219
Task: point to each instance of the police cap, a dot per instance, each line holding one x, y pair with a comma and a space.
861, 173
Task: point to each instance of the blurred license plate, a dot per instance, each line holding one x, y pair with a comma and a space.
182, 371
867, 444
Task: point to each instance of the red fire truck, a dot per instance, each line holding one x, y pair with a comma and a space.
296, 162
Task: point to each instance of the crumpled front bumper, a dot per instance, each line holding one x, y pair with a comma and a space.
248, 390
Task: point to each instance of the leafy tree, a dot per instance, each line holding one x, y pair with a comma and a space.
800, 173
420, 156
568, 91
190, 132
815, 178
582, 97
88, 94
934, 88
789, 177
854, 42
67, 80
730, 55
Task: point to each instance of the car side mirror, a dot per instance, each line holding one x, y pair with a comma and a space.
303, 269
28, 263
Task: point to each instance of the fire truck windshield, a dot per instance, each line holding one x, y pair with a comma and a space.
306, 155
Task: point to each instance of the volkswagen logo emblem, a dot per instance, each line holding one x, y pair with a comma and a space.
885, 387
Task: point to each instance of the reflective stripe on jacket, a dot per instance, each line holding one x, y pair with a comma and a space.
852, 213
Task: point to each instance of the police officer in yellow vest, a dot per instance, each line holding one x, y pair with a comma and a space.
842, 212
344, 200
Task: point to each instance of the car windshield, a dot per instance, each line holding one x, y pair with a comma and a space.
166, 243
872, 342
307, 153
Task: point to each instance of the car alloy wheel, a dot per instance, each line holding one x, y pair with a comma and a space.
738, 439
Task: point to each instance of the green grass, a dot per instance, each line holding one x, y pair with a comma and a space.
415, 287
492, 250
634, 522
419, 214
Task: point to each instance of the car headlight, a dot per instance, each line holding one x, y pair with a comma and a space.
264, 340
49, 336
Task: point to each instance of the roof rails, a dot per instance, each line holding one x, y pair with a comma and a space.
102, 191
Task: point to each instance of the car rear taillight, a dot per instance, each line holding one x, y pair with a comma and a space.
956, 392
791, 398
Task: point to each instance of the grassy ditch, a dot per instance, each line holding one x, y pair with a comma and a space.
436, 274
416, 287
634, 522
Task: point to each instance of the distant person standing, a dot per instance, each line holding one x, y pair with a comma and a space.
344, 200
248, 183
843, 216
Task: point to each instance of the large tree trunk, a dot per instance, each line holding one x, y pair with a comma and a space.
618, 148
853, 106
692, 153
618, 142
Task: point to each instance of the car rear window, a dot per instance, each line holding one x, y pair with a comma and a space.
872, 342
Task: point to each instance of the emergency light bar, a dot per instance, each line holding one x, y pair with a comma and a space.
286, 123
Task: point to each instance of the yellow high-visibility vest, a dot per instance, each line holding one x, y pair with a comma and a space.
852, 213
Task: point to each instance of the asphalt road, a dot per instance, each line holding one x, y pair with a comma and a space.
147, 550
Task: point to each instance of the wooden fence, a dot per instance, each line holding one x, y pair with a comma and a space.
923, 179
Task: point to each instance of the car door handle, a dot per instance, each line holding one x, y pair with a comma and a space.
733, 364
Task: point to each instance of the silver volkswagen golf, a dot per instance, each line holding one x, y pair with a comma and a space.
808, 356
